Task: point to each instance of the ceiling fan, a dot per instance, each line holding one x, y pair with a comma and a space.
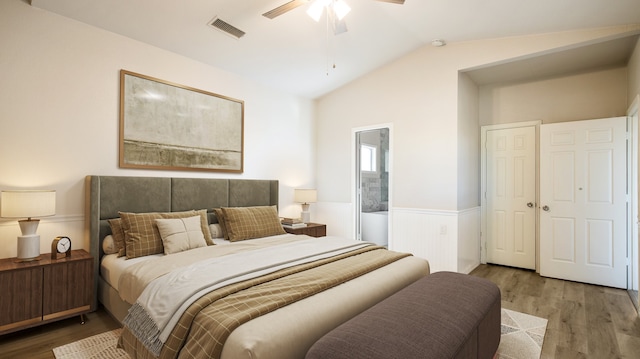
336, 10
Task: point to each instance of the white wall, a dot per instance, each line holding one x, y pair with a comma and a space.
468, 143
468, 240
584, 96
59, 90
420, 95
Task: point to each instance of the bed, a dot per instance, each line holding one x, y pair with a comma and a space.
285, 331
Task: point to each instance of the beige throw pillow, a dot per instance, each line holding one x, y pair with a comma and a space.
180, 234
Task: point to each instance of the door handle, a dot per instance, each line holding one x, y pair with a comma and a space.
530, 205
545, 208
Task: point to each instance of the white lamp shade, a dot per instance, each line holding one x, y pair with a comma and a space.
30, 203
305, 195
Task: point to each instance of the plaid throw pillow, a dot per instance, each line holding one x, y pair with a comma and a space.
141, 234
221, 222
118, 235
252, 222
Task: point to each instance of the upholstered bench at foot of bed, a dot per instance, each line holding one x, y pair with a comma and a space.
443, 315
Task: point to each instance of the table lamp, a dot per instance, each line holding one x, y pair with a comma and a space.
305, 196
28, 203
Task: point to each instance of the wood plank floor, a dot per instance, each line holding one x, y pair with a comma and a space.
585, 321
38, 342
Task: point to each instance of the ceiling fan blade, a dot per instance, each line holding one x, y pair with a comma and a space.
393, 1
284, 8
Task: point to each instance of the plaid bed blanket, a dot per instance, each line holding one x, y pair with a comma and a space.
164, 300
206, 324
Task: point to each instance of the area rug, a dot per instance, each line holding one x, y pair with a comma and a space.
522, 336
100, 346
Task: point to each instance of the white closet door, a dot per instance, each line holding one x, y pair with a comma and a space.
583, 201
511, 195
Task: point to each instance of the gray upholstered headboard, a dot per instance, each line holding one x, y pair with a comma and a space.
107, 195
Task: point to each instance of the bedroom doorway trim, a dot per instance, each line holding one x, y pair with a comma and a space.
355, 180
633, 245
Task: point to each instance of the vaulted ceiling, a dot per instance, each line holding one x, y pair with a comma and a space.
295, 54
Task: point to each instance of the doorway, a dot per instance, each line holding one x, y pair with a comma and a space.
372, 185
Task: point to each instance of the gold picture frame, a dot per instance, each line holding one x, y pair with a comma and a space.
167, 126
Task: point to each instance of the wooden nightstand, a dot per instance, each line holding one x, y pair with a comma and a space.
38, 292
312, 229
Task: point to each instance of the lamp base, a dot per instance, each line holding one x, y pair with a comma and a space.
305, 216
29, 226
29, 247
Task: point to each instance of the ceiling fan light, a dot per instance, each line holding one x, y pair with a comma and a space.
315, 10
341, 9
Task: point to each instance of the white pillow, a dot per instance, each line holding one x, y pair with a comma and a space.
181, 234
109, 245
220, 241
216, 230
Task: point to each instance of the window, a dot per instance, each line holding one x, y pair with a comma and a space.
368, 158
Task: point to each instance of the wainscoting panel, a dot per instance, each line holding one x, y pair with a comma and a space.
468, 239
449, 240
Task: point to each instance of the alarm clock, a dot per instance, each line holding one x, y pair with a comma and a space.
60, 245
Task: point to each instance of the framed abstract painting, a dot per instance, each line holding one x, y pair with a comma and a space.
168, 126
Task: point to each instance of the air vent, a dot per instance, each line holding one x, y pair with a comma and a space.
227, 28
